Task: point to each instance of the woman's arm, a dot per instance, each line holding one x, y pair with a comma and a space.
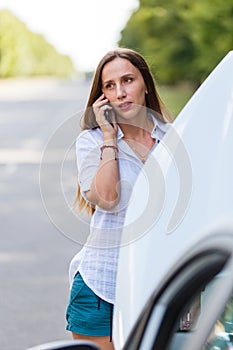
105, 187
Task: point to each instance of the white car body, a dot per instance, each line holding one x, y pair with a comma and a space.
184, 190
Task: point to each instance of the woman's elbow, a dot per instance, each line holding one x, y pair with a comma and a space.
102, 202
108, 204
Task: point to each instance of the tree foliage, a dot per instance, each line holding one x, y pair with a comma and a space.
23, 53
181, 39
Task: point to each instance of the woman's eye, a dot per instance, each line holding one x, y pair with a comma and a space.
128, 80
109, 86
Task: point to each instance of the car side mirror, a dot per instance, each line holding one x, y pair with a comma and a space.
67, 345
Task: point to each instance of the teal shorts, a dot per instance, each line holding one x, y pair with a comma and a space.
87, 314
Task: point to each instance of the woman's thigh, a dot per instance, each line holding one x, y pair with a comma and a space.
103, 342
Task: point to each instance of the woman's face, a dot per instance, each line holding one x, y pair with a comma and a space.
124, 87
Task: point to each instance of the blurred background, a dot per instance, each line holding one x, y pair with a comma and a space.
48, 52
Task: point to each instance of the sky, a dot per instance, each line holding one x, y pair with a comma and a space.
83, 29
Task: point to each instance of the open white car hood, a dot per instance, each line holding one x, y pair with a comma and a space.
185, 187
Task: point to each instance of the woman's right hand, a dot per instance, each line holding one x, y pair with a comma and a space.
99, 106
105, 188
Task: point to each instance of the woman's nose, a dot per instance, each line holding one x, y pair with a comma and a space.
121, 92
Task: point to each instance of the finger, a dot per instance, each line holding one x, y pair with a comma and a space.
101, 98
105, 107
100, 104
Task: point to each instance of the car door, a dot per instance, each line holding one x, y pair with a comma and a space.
193, 307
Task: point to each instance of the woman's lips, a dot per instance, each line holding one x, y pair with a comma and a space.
124, 106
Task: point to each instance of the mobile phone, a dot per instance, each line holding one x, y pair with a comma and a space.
108, 116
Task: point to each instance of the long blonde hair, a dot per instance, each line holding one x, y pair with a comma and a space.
153, 100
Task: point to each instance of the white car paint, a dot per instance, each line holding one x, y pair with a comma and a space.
184, 189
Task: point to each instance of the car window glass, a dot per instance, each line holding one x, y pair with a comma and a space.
221, 336
172, 316
181, 303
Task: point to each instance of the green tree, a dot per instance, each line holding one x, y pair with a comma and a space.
211, 31
182, 40
23, 53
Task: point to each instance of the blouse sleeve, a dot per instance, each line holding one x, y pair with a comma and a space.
88, 157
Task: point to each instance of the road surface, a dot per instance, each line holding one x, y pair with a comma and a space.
40, 233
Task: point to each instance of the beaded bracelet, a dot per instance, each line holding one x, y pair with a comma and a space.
102, 148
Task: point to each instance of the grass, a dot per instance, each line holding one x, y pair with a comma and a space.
175, 97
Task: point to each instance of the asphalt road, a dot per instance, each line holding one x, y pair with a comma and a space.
39, 231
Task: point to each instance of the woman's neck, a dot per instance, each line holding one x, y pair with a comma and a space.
137, 131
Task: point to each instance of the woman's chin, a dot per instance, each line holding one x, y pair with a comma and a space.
133, 112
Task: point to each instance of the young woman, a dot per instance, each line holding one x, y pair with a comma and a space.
111, 151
